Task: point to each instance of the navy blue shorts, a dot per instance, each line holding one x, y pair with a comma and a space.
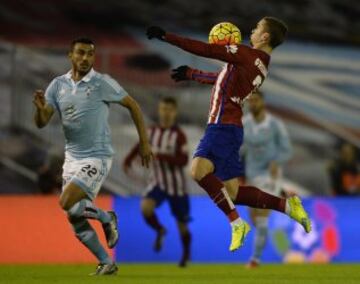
221, 145
179, 205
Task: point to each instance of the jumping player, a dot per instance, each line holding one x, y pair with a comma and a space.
82, 98
216, 165
267, 149
169, 146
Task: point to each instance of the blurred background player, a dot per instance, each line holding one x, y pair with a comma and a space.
82, 98
170, 150
267, 147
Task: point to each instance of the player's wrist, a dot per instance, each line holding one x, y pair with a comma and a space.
189, 73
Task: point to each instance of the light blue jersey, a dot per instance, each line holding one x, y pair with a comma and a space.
84, 109
264, 142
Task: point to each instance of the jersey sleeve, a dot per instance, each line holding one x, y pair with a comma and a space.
112, 92
234, 54
51, 94
283, 142
202, 76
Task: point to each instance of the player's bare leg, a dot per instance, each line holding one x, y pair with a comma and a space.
253, 197
79, 208
186, 243
259, 218
202, 171
148, 206
71, 195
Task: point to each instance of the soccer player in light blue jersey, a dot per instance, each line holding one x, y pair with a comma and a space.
82, 98
267, 147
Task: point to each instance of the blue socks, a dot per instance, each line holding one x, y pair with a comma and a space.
87, 209
87, 235
78, 215
260, 237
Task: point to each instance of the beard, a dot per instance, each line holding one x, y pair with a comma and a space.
84, 70
256, 111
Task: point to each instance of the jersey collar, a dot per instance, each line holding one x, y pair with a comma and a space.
265, 122
86, 78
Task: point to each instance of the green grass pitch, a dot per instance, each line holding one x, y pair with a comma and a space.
195, 273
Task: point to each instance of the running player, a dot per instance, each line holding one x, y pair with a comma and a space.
82, 98
169, 146
267, 148
216, 165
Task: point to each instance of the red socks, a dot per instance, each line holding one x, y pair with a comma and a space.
216, 190
153, 222
254, 197
186, 241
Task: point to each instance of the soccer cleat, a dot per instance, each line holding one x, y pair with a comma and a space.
252, 264
111, 230
105, 269
298, 213
159, 239
239, 232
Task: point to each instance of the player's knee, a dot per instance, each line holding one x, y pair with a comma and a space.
232, 194
146, 209
183, 228
65, 203
196, 174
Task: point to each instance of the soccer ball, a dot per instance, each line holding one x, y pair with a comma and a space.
225, 34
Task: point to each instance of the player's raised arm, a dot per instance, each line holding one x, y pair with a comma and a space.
231, 54
183, 73
135, 111
44, 111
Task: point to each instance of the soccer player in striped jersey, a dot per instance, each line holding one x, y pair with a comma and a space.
216, 165
169, 146
267, 148
82, 97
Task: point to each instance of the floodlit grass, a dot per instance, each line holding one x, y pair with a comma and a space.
195, 273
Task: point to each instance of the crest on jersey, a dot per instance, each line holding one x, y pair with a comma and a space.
88, 90
231, 48
236, 100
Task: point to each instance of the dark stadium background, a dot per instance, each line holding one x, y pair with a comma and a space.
313, 86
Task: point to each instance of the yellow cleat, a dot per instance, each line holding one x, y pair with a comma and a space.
239, 232
298, 213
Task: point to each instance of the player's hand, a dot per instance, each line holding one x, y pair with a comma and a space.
146, 154
39, 99
180, 73
155, 32
274, 169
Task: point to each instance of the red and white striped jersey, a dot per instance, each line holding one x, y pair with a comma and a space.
169, 146
243, 73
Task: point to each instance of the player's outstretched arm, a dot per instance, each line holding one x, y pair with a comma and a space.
184, 72
231, 54
135, 111
43, 112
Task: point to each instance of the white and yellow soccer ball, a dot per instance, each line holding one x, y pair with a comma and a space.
225, 34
